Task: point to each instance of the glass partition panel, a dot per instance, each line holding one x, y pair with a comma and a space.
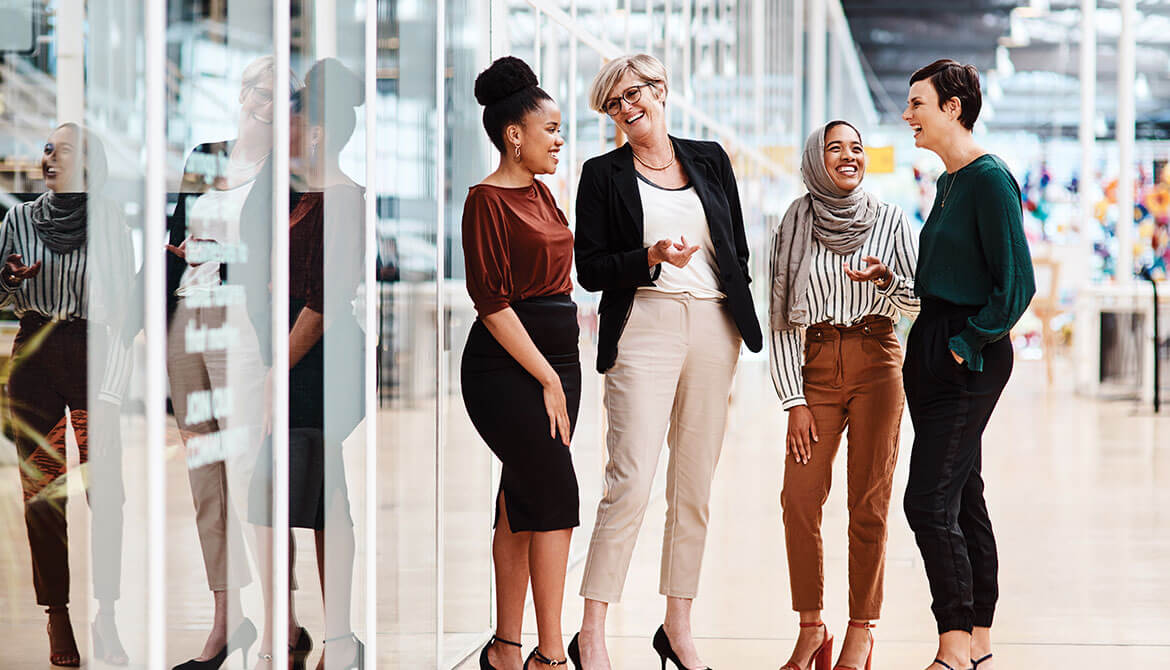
221, 71
328, 458
467, 485
72, 190
407, 359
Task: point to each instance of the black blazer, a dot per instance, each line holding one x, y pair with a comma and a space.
611, 257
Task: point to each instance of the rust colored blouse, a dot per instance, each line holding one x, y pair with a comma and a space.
516, 244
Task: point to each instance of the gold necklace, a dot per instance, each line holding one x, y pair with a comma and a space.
948, 191
655, 167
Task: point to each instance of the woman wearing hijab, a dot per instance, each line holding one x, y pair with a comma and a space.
66, 268
836, 365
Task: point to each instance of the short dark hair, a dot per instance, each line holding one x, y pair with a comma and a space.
328, 98
508, 90
952, 79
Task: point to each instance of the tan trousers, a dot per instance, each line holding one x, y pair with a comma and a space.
852, 381
218, 480
676, 359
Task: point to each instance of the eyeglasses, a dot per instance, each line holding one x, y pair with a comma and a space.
264, 95
633, 94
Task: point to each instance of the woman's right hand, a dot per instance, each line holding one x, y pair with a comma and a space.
180, 251
557, 408
677, 254
802, 432
15, 271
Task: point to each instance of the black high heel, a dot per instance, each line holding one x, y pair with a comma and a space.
242, 638
939, 661
975, 663
484, 663
359, 659
541, 658
574, 651
299, 651
665, 651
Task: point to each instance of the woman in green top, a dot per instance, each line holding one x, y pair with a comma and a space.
974, 278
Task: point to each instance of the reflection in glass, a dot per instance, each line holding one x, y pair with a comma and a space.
69, 342
217, 283
325, 344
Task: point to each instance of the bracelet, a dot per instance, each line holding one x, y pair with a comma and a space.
887, 280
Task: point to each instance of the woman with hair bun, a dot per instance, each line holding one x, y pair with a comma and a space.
521, 371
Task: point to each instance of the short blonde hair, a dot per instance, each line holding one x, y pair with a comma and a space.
263, 71
647, 67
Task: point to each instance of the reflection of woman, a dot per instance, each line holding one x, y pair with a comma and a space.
975, 279
66, 265
836, 363
217, 282
325, 248
521, 374
661, 234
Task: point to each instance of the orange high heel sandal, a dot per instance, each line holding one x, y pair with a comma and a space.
869, 656
822, 657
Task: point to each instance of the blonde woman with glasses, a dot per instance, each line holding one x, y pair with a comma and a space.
660, 233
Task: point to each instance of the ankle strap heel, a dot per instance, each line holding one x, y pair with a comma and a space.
823, 655
545, 660
484, 663
867, 627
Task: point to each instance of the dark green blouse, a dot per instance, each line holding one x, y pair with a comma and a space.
972, 251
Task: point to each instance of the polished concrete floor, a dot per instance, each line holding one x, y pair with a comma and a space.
1079, 492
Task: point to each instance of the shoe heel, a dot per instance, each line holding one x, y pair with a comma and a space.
824, 657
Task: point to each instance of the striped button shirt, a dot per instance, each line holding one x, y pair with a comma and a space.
834, 297
64, 288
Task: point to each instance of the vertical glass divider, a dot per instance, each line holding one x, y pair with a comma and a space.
538, 43
442, 384
155, 327
280, 293
373, 299
572, 139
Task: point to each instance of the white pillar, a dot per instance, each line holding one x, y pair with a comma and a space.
155, 327
1125, 141
70, 34
1086, 132
628, 43
324, 29
798, 125
759, 58
817, 53
688, 55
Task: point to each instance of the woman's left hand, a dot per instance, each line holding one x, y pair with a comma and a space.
875, 271
958, 358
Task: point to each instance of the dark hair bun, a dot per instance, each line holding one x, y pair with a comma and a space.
505, 77
329, 78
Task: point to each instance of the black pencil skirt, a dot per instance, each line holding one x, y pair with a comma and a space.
506, 406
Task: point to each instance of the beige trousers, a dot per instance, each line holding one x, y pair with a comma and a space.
221, 436
676, 359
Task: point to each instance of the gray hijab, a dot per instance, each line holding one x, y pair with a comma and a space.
840, 220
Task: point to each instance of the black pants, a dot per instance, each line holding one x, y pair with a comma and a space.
47, 390
949, 407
